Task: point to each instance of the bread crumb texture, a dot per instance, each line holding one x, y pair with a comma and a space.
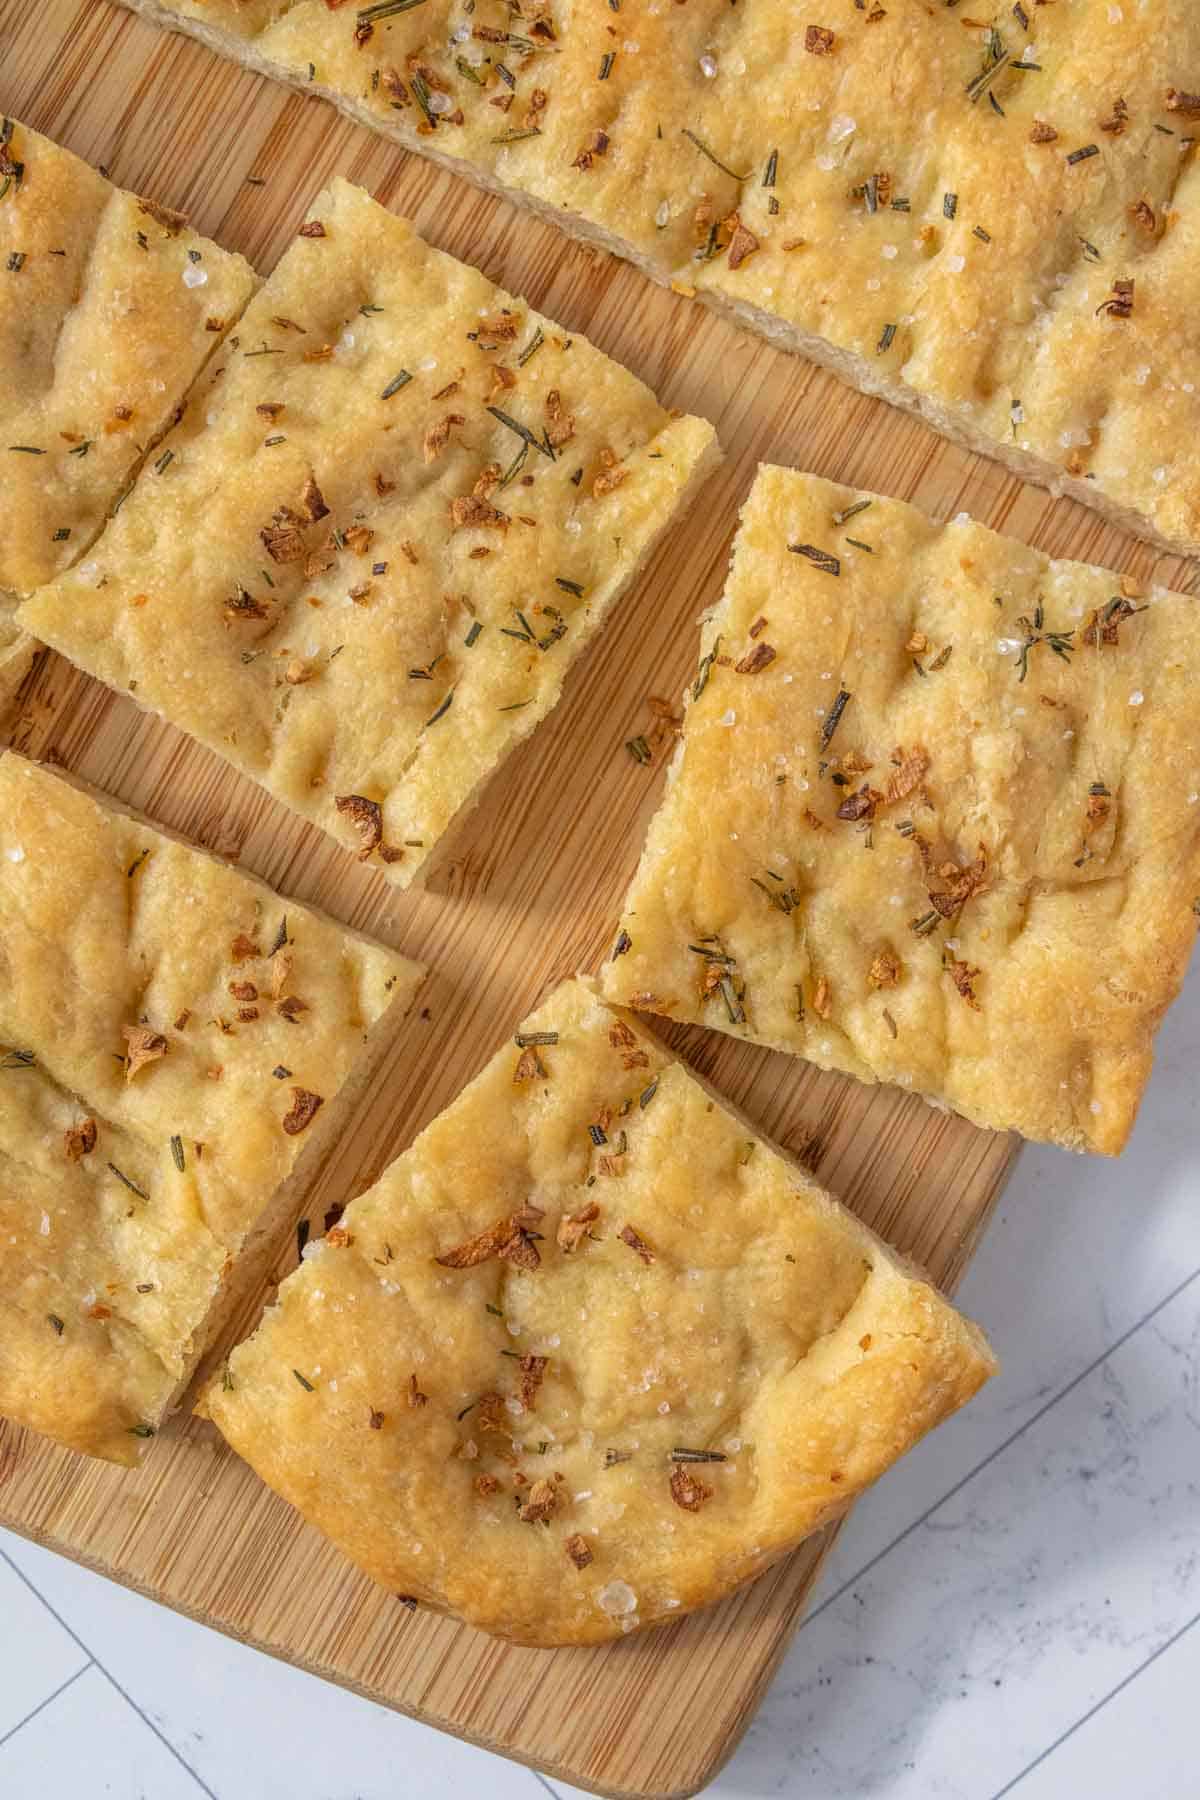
935, 818
589, 1354
169, 1031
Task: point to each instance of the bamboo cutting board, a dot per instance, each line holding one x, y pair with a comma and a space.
528, 892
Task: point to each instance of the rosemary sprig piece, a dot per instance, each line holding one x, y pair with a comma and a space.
712, 156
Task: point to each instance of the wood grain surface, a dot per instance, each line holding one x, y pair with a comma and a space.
528, 891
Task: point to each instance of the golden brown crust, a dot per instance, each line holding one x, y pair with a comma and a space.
607, 1438
370, 632
950, 838
137, 1160
939, 205
111, 307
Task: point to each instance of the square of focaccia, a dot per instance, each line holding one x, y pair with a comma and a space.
590, 1353
176, 1043
390, 520
988, 215
111, 308
935, 815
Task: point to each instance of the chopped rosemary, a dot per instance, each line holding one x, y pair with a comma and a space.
569, 587
131, 1185
848, 512
833, 718
1078, 156
647, 1094
624, 942
473, 634
886, 337
443, 708
733, 1005
385, 9
771, 170
523, 432
613, 1457
994, 61
639, 749
712, 156
524, 1039
824, 559
606, 63
304, 1383
17, 1059
1058, 641
395, 384
177, 1153
697, 1456
705, 670
141, 1430
949, 205
532, 347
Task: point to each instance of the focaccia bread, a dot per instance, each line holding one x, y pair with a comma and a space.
590, 1353
176, 1043
111, 308
935, 816
991, 219
416, 501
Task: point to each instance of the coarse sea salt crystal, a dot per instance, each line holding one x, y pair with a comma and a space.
840, 126
44, 1227
663, 215
16, 854
194, 277
1136, 698
708, 66
616, 1598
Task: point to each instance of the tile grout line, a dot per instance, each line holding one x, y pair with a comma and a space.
1099, 1706
50, 1698
108, 1676
999, 1450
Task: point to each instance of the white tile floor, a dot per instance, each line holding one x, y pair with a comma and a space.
1013, 1610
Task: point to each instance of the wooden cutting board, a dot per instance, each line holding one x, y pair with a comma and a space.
529, 893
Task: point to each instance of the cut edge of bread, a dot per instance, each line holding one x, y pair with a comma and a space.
440, 855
